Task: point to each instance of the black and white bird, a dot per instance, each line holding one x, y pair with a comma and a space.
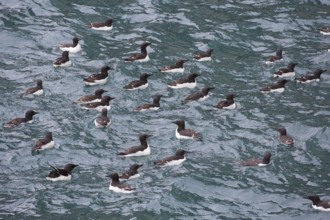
199, 96
258, 162
73, 47
98, 78
204, 56
322, 205
104, 103
102, 120
139, 57
177, 68
228, 104
63, 61
189, 82
275, 58
44, 143
119, 187
177, 159
141, 83
311, 78
286, 72
37, 90
18, 121
91, 98
107, 25
58, 174
279, 87
149, 106
183, 133
131, 173
284, 138
140, 150
325, 31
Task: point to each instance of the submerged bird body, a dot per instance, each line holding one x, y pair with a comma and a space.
142, 83
150, 106
177, 68
177, 159
284, 138
103, 120
200, 96
17, 121
275, 58
73, 47
119, 187
182, 133
91, 98
141, 150
189, 82
257, 162
102, 26
63, 61
132, 172
325, 31
38, 90
58, 174
278, 87
45, 143
228, 104
98, 78
322, 205
104, 103
311, 78
139, 57
204, 56
286, 72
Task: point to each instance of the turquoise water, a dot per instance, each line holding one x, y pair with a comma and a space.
210, 184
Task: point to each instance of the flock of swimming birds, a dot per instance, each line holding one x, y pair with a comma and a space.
102, 104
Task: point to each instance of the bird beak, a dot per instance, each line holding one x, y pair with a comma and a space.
149, 135
174, 122
108, 175
140, 165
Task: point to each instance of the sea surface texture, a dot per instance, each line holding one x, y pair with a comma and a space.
211, 183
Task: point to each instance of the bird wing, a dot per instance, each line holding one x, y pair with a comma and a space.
132, 84
14, 122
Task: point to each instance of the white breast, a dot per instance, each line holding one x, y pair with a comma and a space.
176, 70
179, 136
133, 177
140, 87
203, 98
204, 59
175, 162
101, 126
99, 108
184, 85
39, 92
119, 190
325, 33
47, 146
97, 82
289, 74
320, 208
60, 178
262, 165
145, 152
105, 28
144, 59
66, 64
75, 49
232, 106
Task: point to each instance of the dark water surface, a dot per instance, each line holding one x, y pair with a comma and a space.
210, 184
